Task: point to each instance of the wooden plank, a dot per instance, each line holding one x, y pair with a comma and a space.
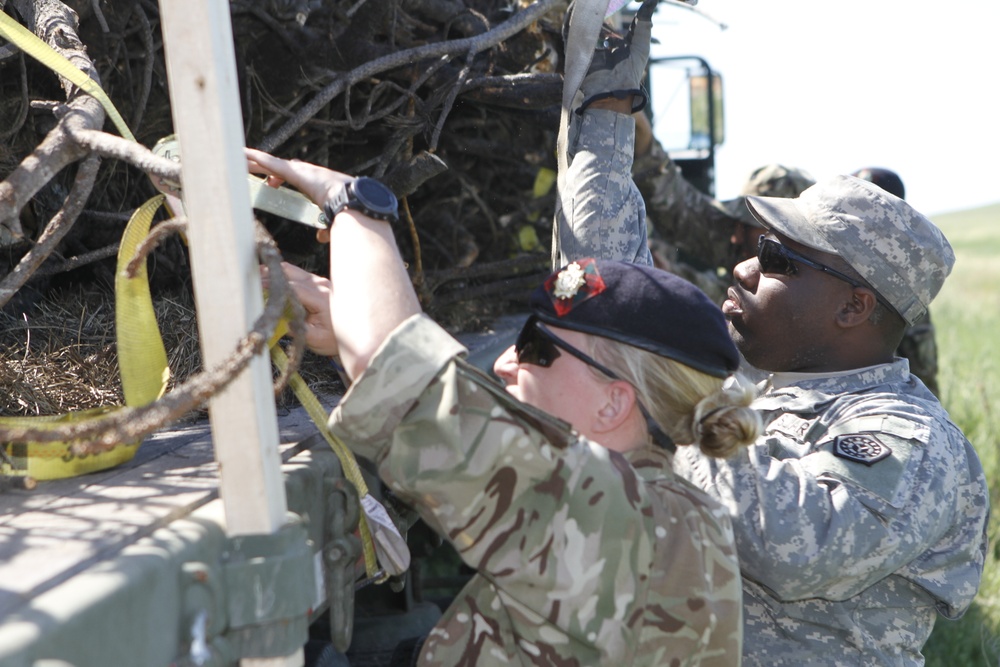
201, 69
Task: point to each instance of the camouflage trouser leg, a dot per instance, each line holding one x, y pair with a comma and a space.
920, 348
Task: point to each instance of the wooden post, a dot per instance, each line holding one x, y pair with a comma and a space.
204, 92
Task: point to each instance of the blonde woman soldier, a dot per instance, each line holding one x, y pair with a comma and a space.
558, 488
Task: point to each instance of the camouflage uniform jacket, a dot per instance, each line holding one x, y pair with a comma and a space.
607, 213
919, 346
859, 515
584, 556
608, 216
692, 223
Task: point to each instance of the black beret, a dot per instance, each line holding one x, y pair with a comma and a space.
640, 306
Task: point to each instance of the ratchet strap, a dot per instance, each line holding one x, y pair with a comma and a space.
376, 527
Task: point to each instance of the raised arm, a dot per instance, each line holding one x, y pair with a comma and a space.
371, 292
602, 214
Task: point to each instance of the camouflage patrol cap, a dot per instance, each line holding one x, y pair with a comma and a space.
771, 180
897, 250
640, 306
776, 180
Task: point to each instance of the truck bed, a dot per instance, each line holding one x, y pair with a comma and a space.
89, 566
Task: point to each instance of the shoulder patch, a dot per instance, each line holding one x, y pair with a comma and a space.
860, 448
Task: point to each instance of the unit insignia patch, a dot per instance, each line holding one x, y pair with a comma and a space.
861, 448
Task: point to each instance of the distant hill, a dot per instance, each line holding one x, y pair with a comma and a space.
974, 232
973, 216
975, 236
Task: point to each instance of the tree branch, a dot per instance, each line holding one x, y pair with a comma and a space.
55, 24
470, 45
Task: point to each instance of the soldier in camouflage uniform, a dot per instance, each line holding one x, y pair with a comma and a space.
771, 180
688, 231
558, 490
919, 348
919, 345
861, 514
692, 234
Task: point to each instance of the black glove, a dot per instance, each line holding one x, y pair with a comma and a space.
619, 63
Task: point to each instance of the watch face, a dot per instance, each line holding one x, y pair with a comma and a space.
365, 195
375, 195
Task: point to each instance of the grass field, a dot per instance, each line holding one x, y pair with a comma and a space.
967, 318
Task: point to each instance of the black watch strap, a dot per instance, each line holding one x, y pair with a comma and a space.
364, 195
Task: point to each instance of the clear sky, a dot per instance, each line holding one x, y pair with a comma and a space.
911, 85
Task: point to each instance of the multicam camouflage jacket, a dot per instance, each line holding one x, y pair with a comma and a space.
859, 516
584, 556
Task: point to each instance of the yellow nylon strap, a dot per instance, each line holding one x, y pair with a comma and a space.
26, 40
142, 362
347, 461
56, 460
142, 359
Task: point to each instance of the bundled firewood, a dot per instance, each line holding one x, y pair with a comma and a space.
453, 103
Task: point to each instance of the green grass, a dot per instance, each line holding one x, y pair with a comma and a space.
966, 316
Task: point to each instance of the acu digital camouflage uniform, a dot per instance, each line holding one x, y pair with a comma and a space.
862, 511
584, 556
846, 556
689, 231
607, 208
608, 217
599, 206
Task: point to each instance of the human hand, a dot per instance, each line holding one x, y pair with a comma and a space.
314, 293
619, 63
312, 180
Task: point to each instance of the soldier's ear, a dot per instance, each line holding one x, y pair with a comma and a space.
857, 308
620, 401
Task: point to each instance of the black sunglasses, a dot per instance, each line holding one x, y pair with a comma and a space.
538, 346
774, 257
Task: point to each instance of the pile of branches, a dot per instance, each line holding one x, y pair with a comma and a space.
453, 103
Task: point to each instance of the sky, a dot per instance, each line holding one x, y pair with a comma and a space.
830, 87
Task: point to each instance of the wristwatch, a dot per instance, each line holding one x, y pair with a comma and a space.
365, 195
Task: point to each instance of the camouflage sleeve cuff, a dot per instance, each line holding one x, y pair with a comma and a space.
607, 133
407, 361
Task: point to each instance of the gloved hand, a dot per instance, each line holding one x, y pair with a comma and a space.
619, 63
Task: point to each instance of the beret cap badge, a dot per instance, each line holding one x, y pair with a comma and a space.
576, 283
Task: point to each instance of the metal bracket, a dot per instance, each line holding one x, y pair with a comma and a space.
342, 548
255, 603
270, 588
